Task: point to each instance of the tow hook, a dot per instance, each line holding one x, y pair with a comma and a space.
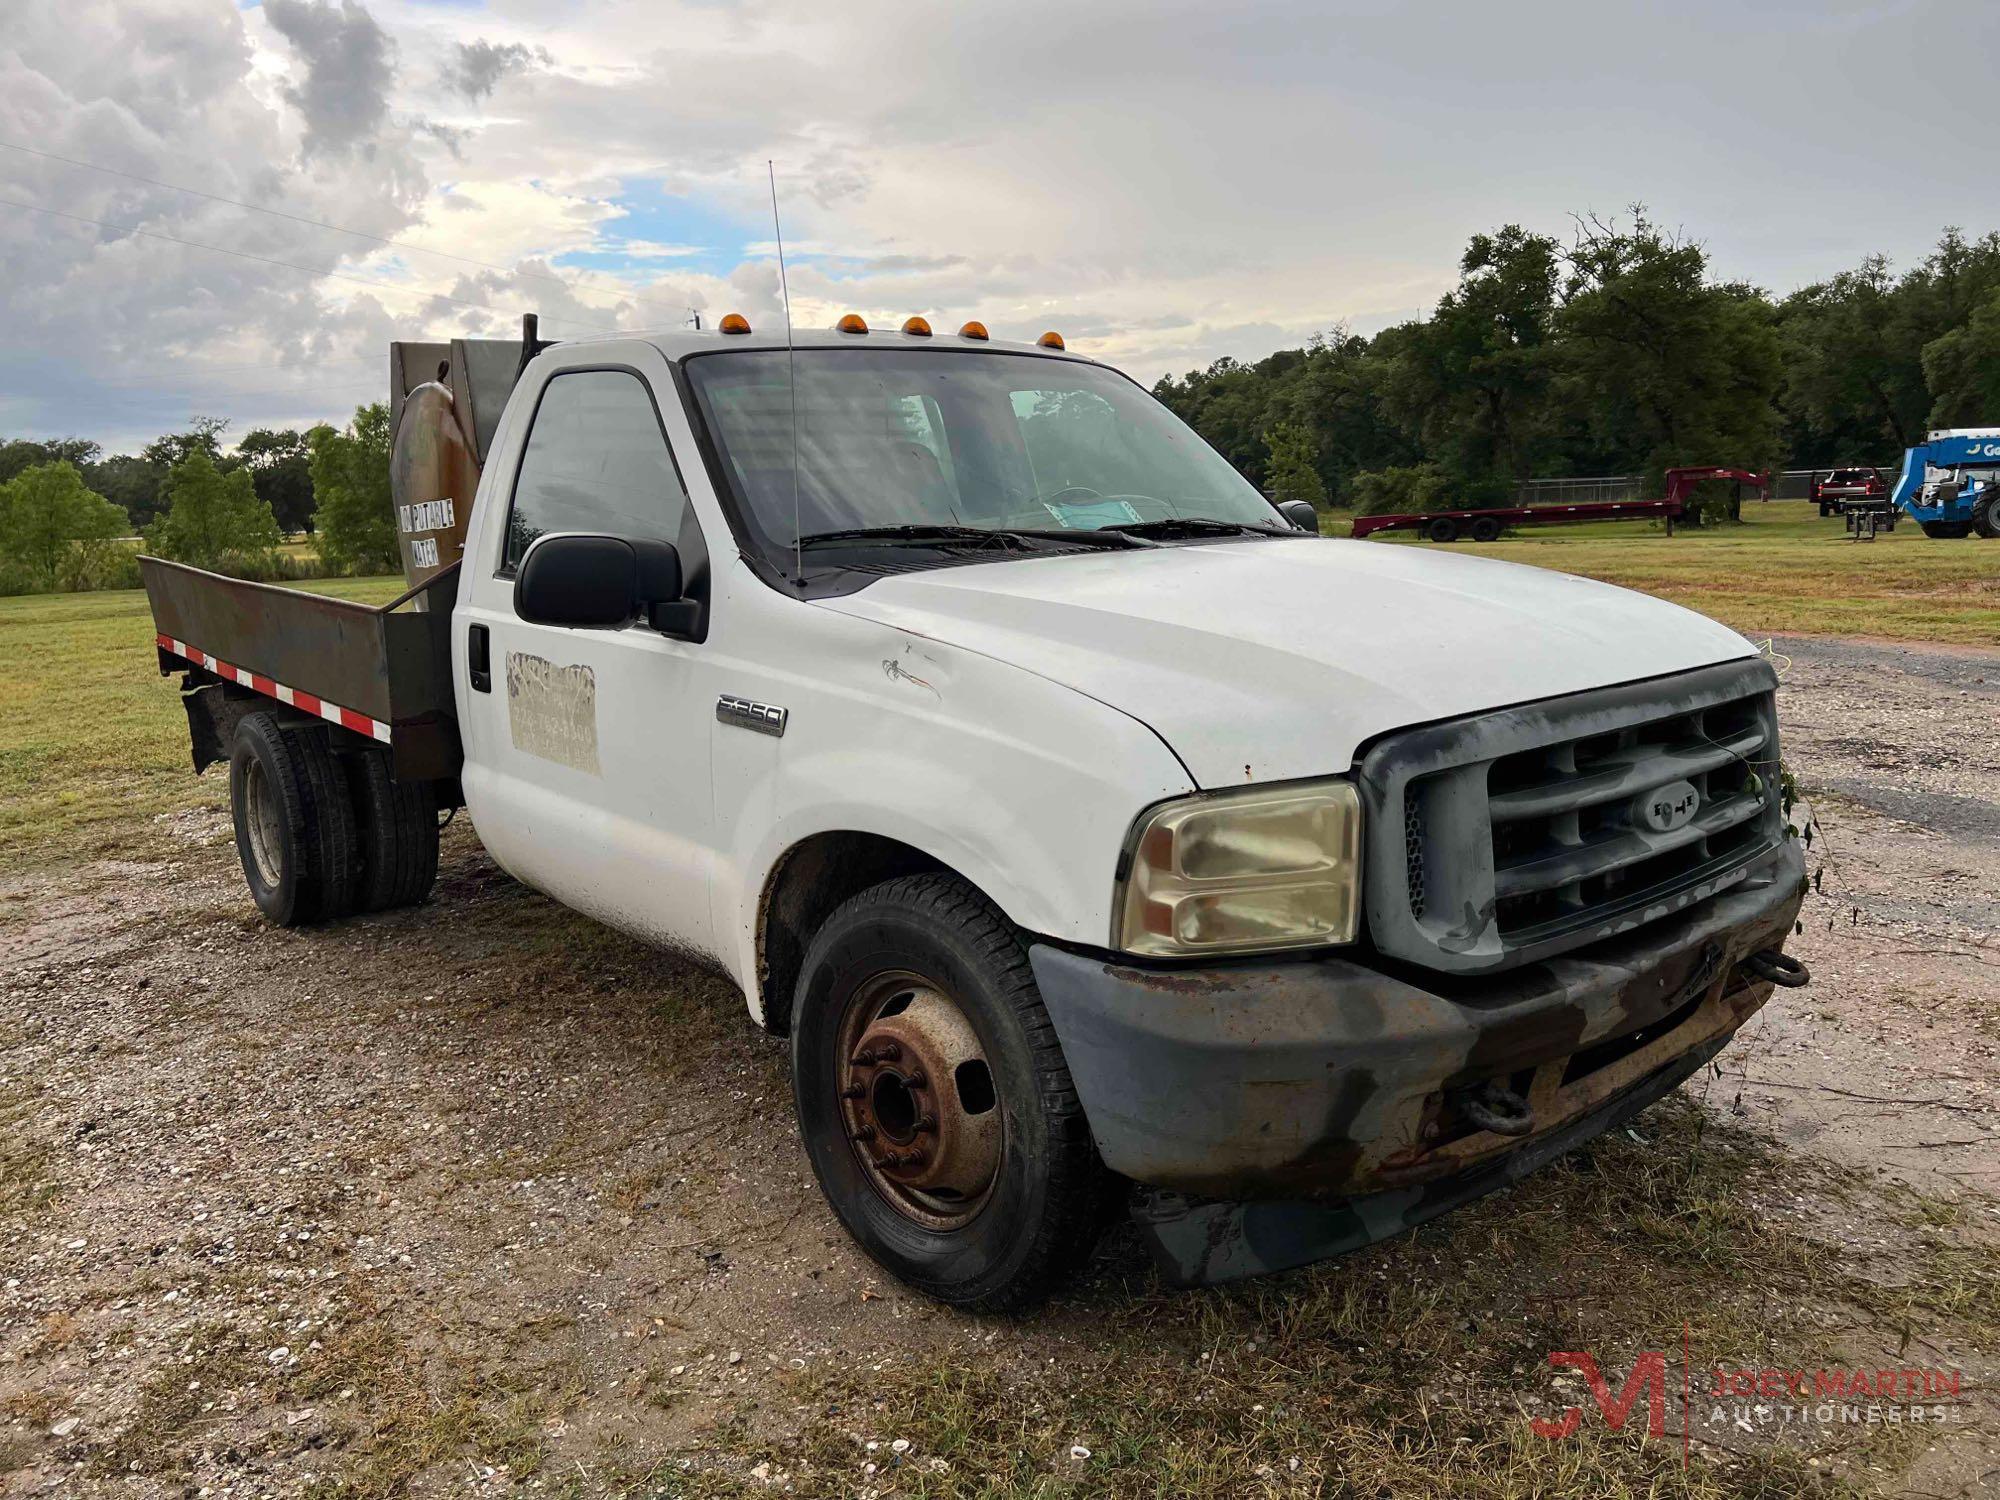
1779, 968
1493, 1106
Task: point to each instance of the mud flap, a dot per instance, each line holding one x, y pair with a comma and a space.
1201, 1242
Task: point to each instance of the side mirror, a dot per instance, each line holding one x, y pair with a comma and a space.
599, 582
1301, 514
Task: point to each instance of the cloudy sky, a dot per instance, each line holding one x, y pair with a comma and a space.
1164, 182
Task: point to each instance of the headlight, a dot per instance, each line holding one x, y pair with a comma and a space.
1275, 867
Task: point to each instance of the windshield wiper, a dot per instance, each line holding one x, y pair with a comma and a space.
909, 533
948, 535
1171, 526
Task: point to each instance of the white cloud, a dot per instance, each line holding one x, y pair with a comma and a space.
1163, 181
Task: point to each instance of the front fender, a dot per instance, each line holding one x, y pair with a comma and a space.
1025, 787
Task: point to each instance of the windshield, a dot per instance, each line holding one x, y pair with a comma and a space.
992, 441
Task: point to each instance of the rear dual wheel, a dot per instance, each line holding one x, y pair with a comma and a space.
322, 834
294, 825
934, 1101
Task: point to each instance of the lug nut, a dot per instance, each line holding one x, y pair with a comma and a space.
865, 1133
889, 1051
917, 1079
913, 1158
882, 1163
865, 1058
853, 1091
926, 1123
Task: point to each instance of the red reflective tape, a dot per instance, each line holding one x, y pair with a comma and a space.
333, 713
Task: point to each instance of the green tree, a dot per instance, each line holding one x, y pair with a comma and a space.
213, 519
1473, 381
54, 533
280, 466
1294, 471
1854, 384
132, 484
203, 435
1962, 371
1659, 365
27, 453
350, 478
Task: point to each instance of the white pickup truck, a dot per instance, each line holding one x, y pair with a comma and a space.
1095, 836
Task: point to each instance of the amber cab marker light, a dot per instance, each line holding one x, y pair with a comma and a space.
734, 323
917, 328
973, 330
1051, 340
851, 323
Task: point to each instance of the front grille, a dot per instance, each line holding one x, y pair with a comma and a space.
1533, 830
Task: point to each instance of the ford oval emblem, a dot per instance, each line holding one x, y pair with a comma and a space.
1669, 807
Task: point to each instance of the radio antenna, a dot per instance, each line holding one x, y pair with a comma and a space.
791, 380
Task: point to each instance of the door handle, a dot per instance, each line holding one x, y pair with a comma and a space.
479, 659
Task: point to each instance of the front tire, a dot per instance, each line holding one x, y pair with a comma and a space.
1986, 519
934, 1101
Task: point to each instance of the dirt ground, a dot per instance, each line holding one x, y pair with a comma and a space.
480, 1197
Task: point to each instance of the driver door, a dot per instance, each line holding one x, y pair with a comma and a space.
589, 775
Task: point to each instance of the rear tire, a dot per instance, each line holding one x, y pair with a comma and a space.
1986, 519
294, 826
1946, 531
1486, 529
398, 827
1443, 529
981, 1188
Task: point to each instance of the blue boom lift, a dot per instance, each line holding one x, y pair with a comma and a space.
1950, 483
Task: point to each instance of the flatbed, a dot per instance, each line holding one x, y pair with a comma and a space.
1486, 525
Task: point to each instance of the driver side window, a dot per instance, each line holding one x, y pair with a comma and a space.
597, 461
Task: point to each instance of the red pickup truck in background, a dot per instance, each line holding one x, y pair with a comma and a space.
1843, 487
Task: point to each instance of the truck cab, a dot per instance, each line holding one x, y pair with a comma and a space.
1088, 829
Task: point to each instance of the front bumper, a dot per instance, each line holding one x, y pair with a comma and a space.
1324, 1077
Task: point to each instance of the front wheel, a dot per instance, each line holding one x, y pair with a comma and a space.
1986, 519
934, 1100
1946, 531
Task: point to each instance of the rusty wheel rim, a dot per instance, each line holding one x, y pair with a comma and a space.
261, 821
917, 1100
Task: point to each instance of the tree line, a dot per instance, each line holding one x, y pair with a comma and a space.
1615, 352
69, 514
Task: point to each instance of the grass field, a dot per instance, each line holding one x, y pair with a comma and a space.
93, 743
1783, 569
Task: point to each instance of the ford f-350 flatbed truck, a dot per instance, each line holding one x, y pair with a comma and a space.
1085, 825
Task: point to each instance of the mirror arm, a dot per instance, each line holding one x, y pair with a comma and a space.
681, 618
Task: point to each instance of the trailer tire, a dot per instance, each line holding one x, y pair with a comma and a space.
1441, 529
398, 828
1486, 529
294, 827
959, 1157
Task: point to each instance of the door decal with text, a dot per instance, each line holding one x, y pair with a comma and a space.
552, 711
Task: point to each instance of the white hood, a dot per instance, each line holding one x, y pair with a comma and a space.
1267, 660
